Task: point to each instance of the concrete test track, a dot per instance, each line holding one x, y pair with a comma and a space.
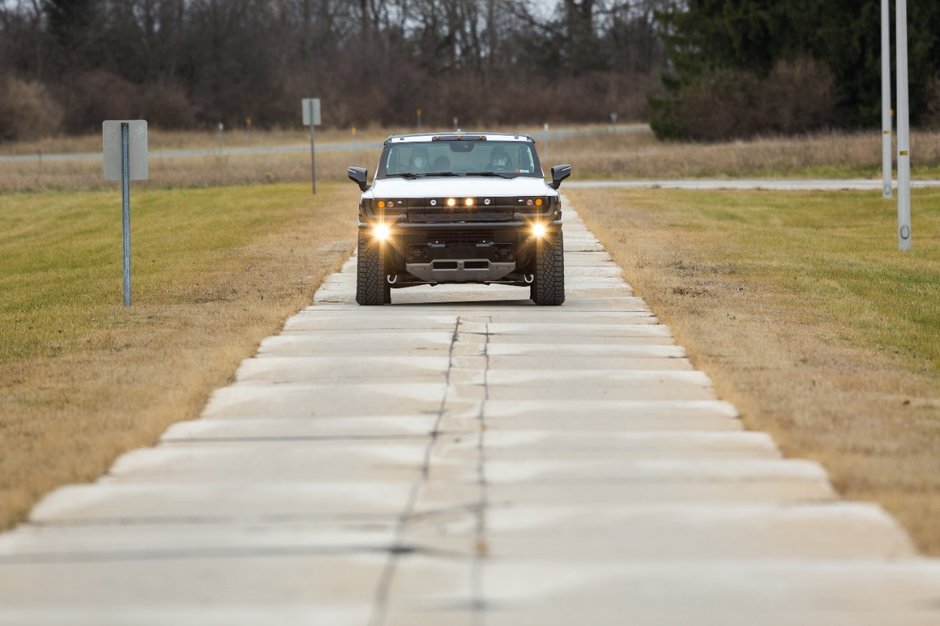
464, 457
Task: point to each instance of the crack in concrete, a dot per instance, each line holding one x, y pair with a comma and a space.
481, 551
380, 602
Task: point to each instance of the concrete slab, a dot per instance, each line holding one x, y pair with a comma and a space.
651, 470
256, 400
265, 461
340, 370
193, 579
614, 363
624, 378
529, 445
219, 613
405, 342
357, 428
442, 496
655, 592
586, 329
102, 543
669, 531
221, 502
654, 389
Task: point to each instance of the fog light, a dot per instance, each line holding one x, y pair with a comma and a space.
381, 232
468, 202
452, 202
538, 230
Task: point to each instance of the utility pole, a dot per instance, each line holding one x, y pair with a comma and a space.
904, 133
886, 156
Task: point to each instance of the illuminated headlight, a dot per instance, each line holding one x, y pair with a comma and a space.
452, 202
381, 231
538, 230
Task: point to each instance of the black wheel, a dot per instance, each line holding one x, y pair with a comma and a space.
371, 286
549, 286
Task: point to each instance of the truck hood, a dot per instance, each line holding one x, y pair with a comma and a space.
476, 186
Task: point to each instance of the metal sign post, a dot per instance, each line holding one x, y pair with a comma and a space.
904, 133
125, 159
311, 118
886, 156
126, 209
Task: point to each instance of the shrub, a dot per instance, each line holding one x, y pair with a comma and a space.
26, 111
795, 97
98, 95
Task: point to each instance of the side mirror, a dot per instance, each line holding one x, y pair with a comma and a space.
560, 173
359, 175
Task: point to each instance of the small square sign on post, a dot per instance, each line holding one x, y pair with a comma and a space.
311, 118
137, 149
125, 159
311, 111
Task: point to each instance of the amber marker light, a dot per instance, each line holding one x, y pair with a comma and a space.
381, 204
381, 231
538, 202
452, 202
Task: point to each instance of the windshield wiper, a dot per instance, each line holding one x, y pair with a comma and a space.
500, 174
408, 175
429, 174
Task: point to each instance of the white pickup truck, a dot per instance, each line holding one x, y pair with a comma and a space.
460, 208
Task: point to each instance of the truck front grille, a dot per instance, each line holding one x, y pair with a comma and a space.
451, 216
461, 237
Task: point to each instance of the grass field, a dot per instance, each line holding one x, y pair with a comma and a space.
215, 271
807, 317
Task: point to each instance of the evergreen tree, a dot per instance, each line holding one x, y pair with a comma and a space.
744, 40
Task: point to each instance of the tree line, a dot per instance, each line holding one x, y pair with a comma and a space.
699, 69
743, 67
65, 65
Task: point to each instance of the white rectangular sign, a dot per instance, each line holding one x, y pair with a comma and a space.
311, 105
136, 149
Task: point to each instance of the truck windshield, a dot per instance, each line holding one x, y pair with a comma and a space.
507, 159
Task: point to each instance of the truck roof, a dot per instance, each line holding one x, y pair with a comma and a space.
459, 135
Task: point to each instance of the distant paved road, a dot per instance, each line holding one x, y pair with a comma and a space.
345, 146
791, 184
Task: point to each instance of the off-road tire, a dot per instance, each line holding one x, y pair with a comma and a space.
371, 286
549, 286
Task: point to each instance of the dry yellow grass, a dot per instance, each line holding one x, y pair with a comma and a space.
163, 140
604, 154
215, 271
807, 318
26, 176
826, 155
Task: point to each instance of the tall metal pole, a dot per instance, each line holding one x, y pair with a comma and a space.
904, 133
313, 157
126, 209
886, 156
